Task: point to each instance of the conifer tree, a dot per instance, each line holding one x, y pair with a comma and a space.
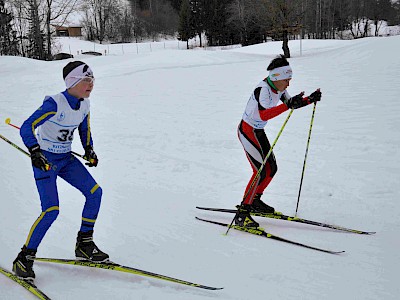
186, 30
8, 39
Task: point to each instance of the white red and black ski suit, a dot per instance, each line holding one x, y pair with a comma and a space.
262, 106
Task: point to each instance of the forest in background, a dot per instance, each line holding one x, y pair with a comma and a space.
27, 26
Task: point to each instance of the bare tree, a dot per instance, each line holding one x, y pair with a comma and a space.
285, 19
106, 19
97, 14
56, 10
33, 23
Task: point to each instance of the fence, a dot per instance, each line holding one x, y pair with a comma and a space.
76, 46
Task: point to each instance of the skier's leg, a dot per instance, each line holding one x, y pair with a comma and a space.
270, 166
253, 148
47, 188
79, 177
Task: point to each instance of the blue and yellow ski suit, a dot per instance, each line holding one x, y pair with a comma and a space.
52, 126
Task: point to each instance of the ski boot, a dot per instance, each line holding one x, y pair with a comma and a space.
243, 217
86, 249
261, 207
22, 265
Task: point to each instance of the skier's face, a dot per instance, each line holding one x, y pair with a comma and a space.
83, 88
282, 85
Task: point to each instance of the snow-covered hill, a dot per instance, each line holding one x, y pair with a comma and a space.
164, 128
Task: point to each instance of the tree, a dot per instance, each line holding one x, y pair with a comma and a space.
36, 47
8, 39
176, 4
185, 28
285, 18
378, 11
216, 22
197, 10
33, 20
56, 10
101, 17
156, 17
247, 19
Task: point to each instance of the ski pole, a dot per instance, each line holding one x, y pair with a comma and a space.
305, 157
262, 165
15, 146
48, 167
8, 121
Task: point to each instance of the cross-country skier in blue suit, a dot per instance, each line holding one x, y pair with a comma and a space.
48, 134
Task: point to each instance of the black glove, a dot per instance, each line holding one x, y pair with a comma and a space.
38, 159
296, 101
91, 156
315, 96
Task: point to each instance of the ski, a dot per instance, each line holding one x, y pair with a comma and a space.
120, 268
280, 216
27, 284
260, 232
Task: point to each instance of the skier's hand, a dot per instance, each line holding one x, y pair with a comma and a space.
90, 156
296, 101
315, 96
38, 159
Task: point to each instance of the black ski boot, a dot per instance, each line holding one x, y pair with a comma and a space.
243, 217
259, 206
86, 249
22, 265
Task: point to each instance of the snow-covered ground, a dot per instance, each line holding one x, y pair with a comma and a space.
164, 128
75, 46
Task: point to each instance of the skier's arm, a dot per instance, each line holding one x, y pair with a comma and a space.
265, 101
85, 133
41, 115
269, 113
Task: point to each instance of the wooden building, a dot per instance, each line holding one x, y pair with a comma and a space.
71, 31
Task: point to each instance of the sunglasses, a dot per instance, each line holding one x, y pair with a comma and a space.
85, 79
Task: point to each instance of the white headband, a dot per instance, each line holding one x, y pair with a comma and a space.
280, 73
77, 74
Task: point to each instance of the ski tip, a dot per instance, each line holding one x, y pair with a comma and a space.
210, 288
363, 232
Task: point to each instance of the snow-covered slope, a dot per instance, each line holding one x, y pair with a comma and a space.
164, 128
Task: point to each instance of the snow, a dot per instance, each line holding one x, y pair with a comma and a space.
164, 126
75, 46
